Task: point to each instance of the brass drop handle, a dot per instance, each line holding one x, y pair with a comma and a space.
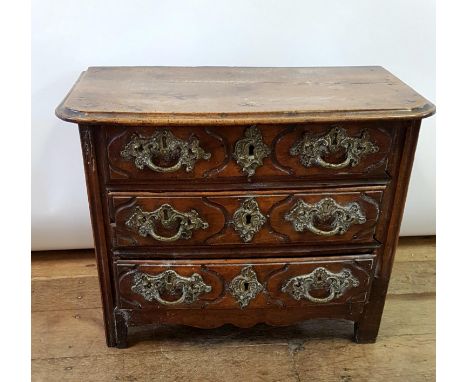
168, 217
163, 144
336, 283
175, 237
181, 300
170, 282
335, 166
173, 168
304, 216
311, 149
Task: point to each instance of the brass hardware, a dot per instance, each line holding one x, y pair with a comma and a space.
250, 151
248, 219
304, 216
163, 144
245, 286
171, 283
145, 222
336, 283
311, 149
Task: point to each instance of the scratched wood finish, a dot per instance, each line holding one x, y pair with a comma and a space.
272, 275
219, 210
224, 95
222, 167
69, 279
217, 106
67, 343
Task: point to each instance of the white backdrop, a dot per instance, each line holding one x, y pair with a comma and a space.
69, 36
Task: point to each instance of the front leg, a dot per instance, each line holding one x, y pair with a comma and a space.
121, 328
364, 334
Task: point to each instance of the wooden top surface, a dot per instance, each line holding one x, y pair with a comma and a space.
225, 95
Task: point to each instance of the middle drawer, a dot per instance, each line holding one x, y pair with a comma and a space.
239, 218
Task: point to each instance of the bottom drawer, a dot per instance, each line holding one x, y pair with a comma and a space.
243, 284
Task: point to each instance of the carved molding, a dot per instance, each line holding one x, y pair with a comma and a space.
245, 287
213, 172
311, 149
87, 146
319, 279
171, 283
169, 218
250, 151
326, 211
163, 144
248, 219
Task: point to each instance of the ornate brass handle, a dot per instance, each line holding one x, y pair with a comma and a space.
340, 218
250, 151
145, 222
170, 282
163, 144
320, 278
310, 149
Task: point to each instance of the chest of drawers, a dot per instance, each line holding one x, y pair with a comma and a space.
244, 195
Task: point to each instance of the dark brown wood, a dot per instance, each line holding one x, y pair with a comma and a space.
271, 274
365, 168
221, 167
94, 186
217, 209
367, 328
121, 328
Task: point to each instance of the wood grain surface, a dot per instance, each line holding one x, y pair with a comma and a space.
271, 274
229, 95
218, 210
68, 342
317, 114
279, 165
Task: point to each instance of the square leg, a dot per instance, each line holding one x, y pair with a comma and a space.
121, 329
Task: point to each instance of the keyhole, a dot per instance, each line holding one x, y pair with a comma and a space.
334, 139
246, 286
251, 151
138, 147
248, 219
165, 215
164, 142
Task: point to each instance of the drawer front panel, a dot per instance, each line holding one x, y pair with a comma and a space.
314, 217
244, 153
243, 284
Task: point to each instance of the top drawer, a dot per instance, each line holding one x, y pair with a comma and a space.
240, 154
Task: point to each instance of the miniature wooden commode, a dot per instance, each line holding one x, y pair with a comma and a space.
244, 195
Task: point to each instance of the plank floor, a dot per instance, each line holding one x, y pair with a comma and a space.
68, 339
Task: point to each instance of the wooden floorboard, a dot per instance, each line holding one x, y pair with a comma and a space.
68, 339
